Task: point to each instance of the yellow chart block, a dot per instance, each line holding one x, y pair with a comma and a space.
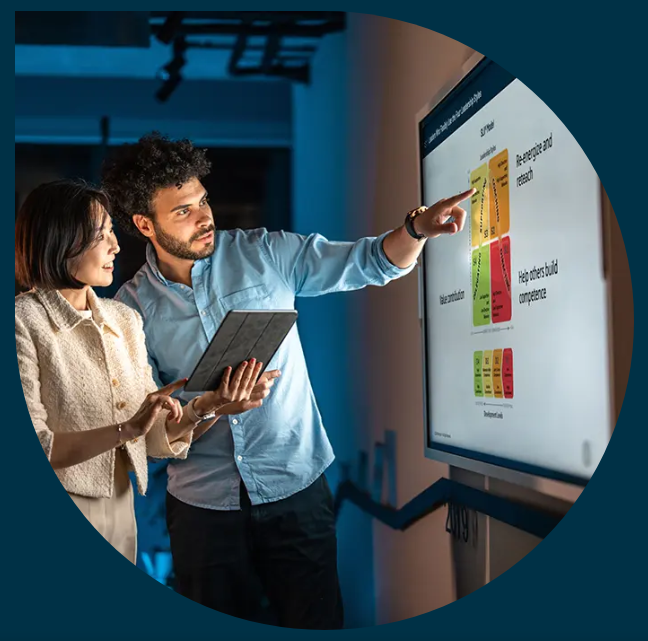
479, 206
498, 179
497, 373
487, 372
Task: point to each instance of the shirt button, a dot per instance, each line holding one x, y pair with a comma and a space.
240, 458
115, 382
204, 312
121, 405
234, 422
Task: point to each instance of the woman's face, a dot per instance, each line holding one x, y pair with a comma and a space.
96, 265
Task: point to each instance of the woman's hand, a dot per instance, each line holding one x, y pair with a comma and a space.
140, 424
240, 392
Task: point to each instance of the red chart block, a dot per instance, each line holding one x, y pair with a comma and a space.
500, 267
507, 372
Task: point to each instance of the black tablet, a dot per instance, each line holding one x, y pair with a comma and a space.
243, 334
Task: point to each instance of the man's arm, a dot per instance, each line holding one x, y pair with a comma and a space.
402, 249
313, 266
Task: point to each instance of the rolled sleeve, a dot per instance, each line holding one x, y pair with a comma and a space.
313, 265
389, 270
158, 445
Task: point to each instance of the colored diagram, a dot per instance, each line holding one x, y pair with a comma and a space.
491, 242
493, 373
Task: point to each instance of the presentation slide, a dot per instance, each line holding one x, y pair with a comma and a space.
515, 306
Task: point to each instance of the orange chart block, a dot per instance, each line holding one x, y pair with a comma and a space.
497, 373
500, 219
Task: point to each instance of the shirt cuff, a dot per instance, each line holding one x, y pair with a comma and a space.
158, 446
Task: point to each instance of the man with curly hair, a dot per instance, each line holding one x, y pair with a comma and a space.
251, 502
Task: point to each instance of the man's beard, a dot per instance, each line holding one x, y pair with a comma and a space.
181, 249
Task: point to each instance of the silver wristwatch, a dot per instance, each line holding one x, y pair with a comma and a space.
194, 416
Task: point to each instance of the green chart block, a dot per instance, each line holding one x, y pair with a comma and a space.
479, 386
481, 286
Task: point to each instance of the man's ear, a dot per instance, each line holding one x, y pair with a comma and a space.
144, 224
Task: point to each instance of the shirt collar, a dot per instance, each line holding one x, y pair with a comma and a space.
65, 318
151, 260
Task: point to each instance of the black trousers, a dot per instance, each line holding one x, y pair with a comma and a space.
284, 551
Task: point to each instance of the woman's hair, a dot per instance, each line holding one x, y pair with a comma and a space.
133, 173
56, 224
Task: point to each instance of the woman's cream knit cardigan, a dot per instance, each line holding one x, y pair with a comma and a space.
79, 374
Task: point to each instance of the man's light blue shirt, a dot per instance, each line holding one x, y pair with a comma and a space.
282, 447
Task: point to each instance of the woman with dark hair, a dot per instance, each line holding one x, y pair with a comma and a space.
88, 384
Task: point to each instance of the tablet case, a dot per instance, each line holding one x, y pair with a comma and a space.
243, 334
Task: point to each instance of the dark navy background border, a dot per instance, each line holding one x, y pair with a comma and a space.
585, 581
